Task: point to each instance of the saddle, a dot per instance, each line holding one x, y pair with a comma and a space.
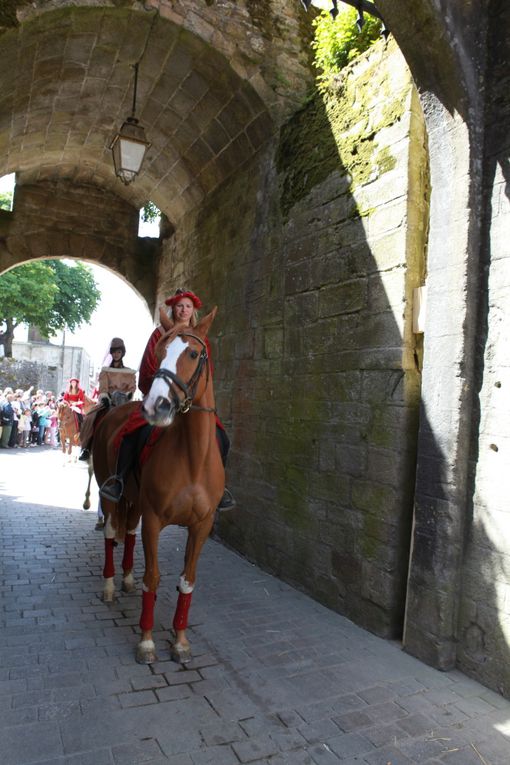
147, 436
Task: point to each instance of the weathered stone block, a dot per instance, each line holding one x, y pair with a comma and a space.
375, 497
342, 298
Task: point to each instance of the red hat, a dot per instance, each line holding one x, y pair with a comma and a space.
171, 301
75, 379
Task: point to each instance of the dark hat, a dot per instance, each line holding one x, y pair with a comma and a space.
117, 344
179, 294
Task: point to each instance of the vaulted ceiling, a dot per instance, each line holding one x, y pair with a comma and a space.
66, 86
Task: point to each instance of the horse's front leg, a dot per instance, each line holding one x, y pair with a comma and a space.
128, 580
197, 535
109, 567
86, 501
151, 528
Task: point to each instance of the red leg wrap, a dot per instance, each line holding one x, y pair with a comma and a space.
181, 612
129, 546
147, 617
109, 568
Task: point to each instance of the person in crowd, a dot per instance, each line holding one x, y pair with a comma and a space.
43, 421
6, 418
34, 431
53, 427
27, 425
183, 306
16, 406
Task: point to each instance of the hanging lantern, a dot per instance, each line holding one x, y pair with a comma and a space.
130, 144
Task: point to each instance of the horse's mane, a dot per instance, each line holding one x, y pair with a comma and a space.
166, 337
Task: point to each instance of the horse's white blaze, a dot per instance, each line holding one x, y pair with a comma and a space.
159, 387
184, 586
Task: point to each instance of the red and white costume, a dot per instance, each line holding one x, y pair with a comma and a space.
75, 400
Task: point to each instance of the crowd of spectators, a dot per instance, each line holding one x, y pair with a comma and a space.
28, 419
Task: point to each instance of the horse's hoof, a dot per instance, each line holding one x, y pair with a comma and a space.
128, 586
86, 505
180, 653
146, 652
108, 596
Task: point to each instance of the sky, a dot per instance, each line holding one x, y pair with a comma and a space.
120, 313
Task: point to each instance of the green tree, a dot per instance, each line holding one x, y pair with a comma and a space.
49, 294
150, 212
5, 200
339, 41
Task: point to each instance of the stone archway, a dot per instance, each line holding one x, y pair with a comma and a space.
65, 219
221, 82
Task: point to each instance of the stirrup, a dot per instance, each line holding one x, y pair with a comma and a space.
112, 488
85, 455
227, 502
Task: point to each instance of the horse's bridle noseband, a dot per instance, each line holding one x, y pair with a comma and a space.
190, 388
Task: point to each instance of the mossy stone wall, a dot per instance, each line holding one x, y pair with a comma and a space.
484, 621
311, 255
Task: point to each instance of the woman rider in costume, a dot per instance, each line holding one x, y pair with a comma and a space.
75, 397
183, 309
111, 380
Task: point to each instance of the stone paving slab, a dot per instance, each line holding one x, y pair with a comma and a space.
276, 679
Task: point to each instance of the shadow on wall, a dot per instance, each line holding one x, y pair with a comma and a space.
484, 649
319, 376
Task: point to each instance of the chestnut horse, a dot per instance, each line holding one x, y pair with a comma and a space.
181, 482
68, 426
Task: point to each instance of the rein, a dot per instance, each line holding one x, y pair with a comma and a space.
189, 388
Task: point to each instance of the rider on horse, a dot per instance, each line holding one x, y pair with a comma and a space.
116, 384
75, 397
183, 309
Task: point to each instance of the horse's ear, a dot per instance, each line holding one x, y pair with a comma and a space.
204, 324
166, 321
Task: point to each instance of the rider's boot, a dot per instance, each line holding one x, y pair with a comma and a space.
84, 454
113, 487
227, 502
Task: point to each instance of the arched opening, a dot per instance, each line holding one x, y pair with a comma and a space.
80, 351
7, 186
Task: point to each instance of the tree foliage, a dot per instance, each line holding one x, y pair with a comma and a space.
50, 295
338, 41
150, 212
76, 298
5, 200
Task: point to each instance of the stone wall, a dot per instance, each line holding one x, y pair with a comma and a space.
15, 373
484, 631
312, 255
62, 362
62, 219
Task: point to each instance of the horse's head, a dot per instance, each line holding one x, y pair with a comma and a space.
62, 407
182, 355
119, 398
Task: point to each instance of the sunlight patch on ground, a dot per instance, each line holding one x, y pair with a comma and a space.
56, 483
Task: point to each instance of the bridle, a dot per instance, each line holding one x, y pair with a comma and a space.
182, 406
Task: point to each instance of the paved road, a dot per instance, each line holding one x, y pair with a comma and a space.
276, 677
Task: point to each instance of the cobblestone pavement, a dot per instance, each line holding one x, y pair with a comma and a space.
276, 678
